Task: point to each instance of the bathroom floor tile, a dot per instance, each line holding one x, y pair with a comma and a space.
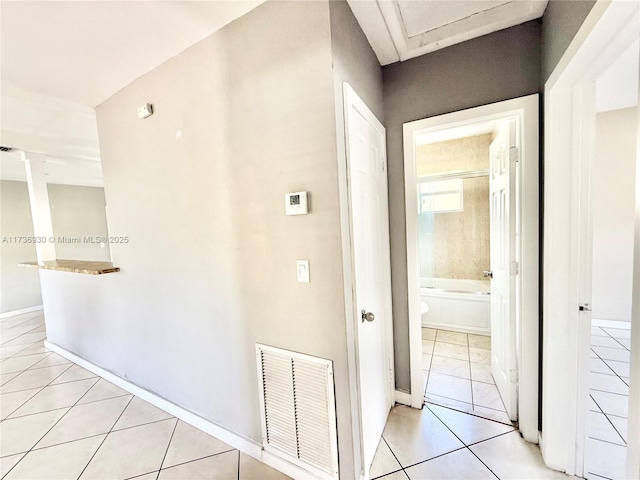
459, 352
598, 366
51, 360
621, 425
600, 428
480, 355
481, 373
486, 395
427, 346
428, 334
597, 341
618, 332
7, 463
451, 366
448, 386
480, 341
426, 361
430, 398
25, 339
452, 337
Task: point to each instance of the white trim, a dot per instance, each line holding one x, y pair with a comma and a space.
20, 312
403, 398
526, 109
244, 444
569, 119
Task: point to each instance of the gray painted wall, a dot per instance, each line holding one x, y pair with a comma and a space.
211, 266
19, 286
78, 212
488, 69
561, 21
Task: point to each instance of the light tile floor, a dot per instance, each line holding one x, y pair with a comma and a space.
608, 404
439, 442
457, 373
60, 421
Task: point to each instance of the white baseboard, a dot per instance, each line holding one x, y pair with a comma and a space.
611, 324
403, 398
21, 311
244, 444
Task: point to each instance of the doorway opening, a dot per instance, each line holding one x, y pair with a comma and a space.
471, 183
454, 242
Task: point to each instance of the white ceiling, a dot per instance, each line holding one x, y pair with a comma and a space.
60, 59
399, 30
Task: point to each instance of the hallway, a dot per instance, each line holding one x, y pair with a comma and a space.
62, 421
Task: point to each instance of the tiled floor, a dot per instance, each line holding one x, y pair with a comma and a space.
438, 442
457, 373
59, 420
608, 403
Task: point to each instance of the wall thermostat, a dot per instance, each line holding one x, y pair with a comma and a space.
296, 203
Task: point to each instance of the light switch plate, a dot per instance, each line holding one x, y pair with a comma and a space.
303, 271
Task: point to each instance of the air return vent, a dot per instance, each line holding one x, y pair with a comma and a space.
298, 409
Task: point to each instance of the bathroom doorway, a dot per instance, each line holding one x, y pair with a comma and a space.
464, 184
454, 231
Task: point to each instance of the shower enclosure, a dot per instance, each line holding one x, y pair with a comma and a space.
454, 237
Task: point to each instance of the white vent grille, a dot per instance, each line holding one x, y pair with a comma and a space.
298, 409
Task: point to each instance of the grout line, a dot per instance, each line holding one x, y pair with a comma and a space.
189, 461
41, 389
605, 415
608, 441
52, 426
107, 435
167, 450
473, 413
600, 476
473, 405
608, 366
609, 392
433, 458
238, 464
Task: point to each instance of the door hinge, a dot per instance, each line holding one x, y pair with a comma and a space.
584, 307
514, 154
514, 268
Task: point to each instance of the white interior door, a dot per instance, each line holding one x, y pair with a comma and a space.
503, 154
366, 145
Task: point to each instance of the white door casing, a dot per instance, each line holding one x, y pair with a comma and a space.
366, 160
525, 109
502, 206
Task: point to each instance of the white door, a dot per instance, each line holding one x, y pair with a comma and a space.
366, 156
503, 154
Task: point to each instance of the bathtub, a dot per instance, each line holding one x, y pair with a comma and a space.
459, 305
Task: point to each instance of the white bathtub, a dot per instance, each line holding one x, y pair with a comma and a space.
460, 305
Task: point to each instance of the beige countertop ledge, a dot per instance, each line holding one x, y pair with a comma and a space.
75, 266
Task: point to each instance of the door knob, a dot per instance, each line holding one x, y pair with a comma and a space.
368, 316
487, 274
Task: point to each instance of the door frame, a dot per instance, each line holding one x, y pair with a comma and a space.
353, 103
569, 148
526, 109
